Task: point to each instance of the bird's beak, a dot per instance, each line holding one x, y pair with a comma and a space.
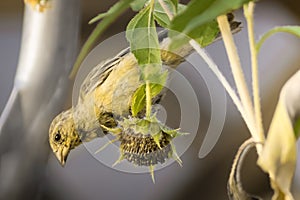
62, 155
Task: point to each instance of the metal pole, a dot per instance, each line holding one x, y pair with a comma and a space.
48, 50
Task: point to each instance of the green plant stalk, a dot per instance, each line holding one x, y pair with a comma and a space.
148, 100
238, 75
152, 4
248, 12
286, 29
148, 88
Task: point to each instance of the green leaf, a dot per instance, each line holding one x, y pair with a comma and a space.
291, 93
154, 74
297, 127
138, 101
138, 4
200, 15
98, 17
199, 12
142, 36
181, 7
204, 35
295, 30
108, 19
160, 14
139, 97
175, 3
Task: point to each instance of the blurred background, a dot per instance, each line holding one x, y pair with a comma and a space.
84, 177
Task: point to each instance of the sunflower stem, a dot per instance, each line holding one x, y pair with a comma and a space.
238, 75
248, 12
148, 99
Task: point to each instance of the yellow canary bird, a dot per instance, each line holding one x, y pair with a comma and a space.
105, 94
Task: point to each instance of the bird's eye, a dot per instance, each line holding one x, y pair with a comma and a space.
57, 137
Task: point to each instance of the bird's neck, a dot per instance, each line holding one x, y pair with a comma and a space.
86, 124
76, 139
85, 118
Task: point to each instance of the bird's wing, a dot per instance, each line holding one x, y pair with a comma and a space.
99, 74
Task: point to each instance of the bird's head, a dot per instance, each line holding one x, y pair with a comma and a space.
63, 135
